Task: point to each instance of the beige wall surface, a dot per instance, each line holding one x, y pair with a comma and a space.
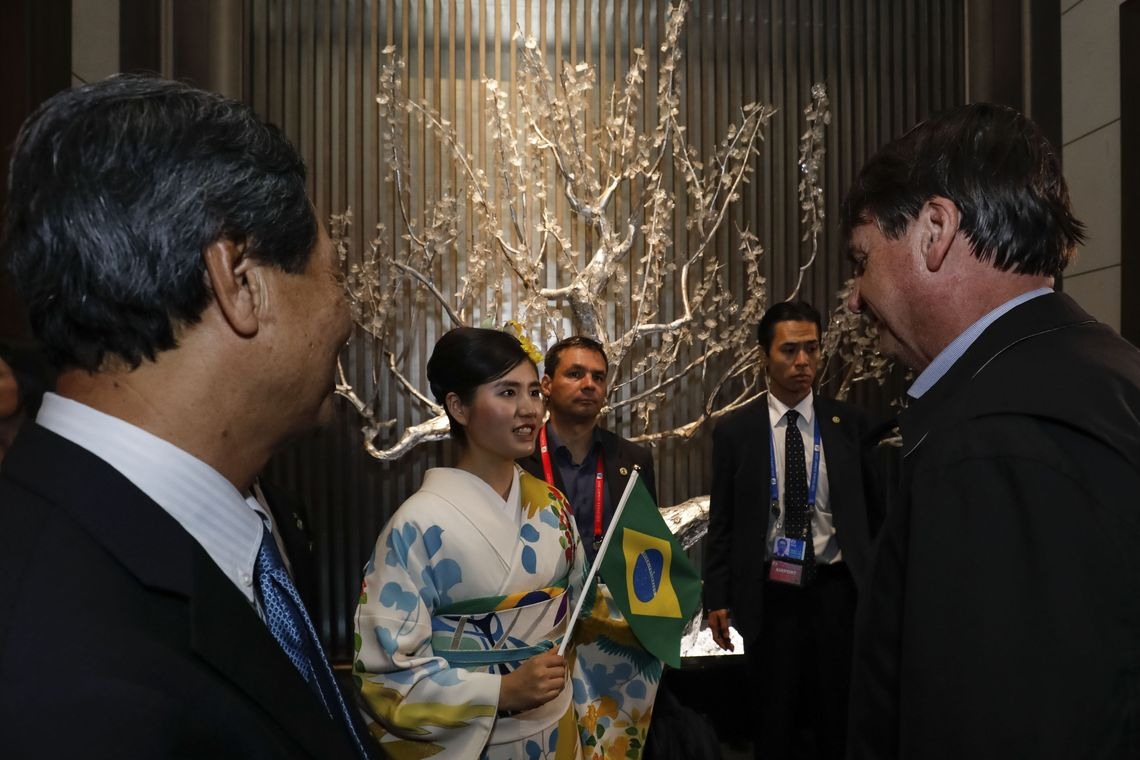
1090, 99
94, 40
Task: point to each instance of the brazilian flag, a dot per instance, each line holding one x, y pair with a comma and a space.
650, 577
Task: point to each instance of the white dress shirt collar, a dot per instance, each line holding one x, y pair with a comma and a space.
777, 409
209, 507
953, 352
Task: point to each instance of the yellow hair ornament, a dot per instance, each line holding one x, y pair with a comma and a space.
531, 349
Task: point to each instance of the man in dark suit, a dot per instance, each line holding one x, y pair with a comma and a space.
571, 451
175, 271
787, 545
1002, 613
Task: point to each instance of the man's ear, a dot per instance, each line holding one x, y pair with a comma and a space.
456, 407
544, 385
227, 269
939, 227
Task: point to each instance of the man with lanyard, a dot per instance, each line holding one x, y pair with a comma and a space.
787, 472
588, 464
591, 466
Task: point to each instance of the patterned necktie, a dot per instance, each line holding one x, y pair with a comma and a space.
797, 516
289, 623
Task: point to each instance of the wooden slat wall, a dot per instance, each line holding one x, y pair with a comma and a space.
312, 67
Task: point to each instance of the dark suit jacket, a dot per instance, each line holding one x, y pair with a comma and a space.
739, 507
619, 456
119, 637
1002, 617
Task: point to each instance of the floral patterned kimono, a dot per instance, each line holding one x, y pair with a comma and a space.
463, 587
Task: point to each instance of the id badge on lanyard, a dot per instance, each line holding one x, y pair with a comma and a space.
790, 552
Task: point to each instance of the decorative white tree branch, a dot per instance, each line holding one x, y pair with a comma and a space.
518, 229
705, 345
812, 150
851, 346
549, 151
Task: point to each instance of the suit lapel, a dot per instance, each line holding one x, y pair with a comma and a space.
841, 449
753, 475
841, 454
614, 463
227, 633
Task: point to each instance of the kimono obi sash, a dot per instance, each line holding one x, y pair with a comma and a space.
495, 635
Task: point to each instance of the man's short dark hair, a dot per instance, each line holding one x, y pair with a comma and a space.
554, 353
786, 311
998, 169
116, 189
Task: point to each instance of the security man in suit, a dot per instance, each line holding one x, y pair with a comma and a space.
174, 268
788, 538
587, 463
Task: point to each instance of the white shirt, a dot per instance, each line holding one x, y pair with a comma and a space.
225, 523
822, 523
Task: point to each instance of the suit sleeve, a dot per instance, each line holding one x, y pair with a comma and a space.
413, 692
718, 544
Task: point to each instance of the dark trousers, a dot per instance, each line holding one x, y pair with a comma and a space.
799, 668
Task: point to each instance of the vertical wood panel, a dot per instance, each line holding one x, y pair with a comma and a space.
1129, 168
312, 68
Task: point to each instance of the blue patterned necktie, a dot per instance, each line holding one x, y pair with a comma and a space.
289, 623
797, 514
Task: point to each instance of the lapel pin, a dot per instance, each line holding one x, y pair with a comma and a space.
835, 419
623, 471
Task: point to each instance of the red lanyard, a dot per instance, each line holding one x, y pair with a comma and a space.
599, 481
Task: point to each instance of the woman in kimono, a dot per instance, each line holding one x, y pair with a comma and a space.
465, 598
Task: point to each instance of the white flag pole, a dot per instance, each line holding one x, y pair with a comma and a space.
597, 562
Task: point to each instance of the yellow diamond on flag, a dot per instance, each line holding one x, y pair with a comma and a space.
648, 574
647, 561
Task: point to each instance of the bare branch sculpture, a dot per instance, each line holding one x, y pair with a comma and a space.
555, 168
521, 232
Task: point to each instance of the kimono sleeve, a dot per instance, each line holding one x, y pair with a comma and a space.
410, 691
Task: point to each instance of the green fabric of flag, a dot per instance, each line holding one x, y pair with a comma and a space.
650, 577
